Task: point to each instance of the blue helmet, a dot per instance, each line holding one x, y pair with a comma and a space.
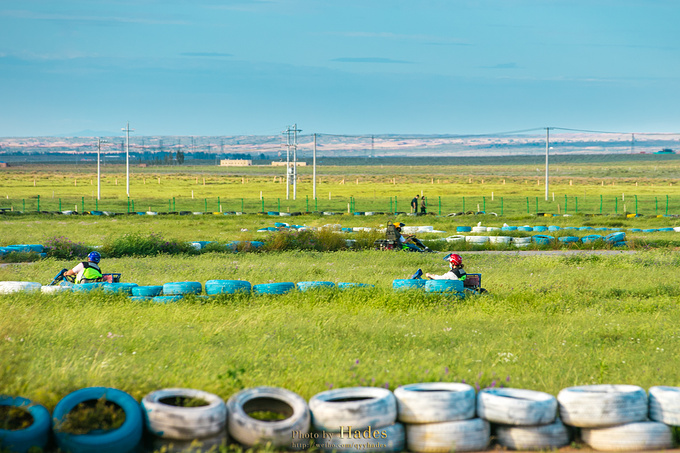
95, 257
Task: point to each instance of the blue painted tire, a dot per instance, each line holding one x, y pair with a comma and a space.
620, 244
274, 288
509, 228
615, 237
542, 239
181, 288
167, 299
463, 229
568, 239
119, 288
650, 230
305, 286
444, 286
35, 435
87, 287
525, 228
147, 291
403, 284
141, 298
121, 440
27, 248
214, 287
553, 228
276, 213
602, 229
348, 285
635, 230
666, 230
591, 238
585, 228
540, 228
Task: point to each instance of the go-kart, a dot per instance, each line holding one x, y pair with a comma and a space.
60, 277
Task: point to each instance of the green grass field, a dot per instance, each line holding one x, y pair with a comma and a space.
548, 322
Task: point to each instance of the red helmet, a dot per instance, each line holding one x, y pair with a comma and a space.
455, 259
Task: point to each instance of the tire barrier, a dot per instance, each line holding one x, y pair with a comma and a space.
597, 406
250, 431
664, 405
444, 286
214, 287
358, 407
348, 285
516, 406
182, 288
87, 287
458, 436
456, 238
388, 439
16, 287
615, 237
119, 288
568, 239
521, 242
34, 435
404, 284
147, 291
591, 238
434, 402
273, 288
542, 239
463, 229
500, 239
54, 289
306, 286
121, 440
171, 421
167, 299
542, 437
638, 436
477, 240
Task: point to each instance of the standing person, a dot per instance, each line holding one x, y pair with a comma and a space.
414, 204
87, 271
423, 206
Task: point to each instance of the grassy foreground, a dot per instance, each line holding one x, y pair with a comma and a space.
548, 323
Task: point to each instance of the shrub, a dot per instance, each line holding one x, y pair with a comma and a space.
61, 247
93, 415
137, 244
321, 240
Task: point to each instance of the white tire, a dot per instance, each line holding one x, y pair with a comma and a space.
479, 229
477, 239
500, 239
15, 287
281, 433
463, 435
189, 446
664, 405
517, 407
358, 407
543, 437
53, 289
434, 402
183, 423
455, 238
638, 436
597, 406
388, 439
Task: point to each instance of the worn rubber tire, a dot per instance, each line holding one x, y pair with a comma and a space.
517, 407
458, 436
348, 285
597, 406
54, 289
34, 435
455, 238
664, 405
214, 287
542, 437
205, 444
591, 238
542, 239
181, 288
408, 283
435, 402
119, 288
184, 423
394, 441
167, 299
305, 286
637, 436
142, 298
615, 237
358, 407
444, 286
87, 287
147, 291
249, 431
274, 288
121, 440
568, 239
15, 287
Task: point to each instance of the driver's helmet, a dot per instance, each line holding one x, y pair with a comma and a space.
455, 259
94, 257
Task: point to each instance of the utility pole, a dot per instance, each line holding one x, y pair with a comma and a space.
127, 131
291, 171
547, 152
99, 174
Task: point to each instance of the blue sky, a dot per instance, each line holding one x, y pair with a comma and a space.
241, 67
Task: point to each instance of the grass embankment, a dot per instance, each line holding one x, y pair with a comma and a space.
548, 323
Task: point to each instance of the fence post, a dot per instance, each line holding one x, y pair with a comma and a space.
205, 204
656, 203
616, 205
96, 205
316, 204
391, 205
262, 200
60, 203
279, 203
242, 205
666, 204
463, 204
307, 197
536, 205
38, 203
565, 203
24, 204
484, 204
528, 211
501, 205
575, 205
82, 201
395, 204
219, 205
636, 205
174, 206
600, 203
440, 205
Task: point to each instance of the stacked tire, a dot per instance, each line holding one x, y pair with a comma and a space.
440, 417
523, 419
175, 426
613, 417
357, 419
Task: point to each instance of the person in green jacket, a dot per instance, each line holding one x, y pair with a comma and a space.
87, 271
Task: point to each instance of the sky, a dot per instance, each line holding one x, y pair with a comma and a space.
254, 67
